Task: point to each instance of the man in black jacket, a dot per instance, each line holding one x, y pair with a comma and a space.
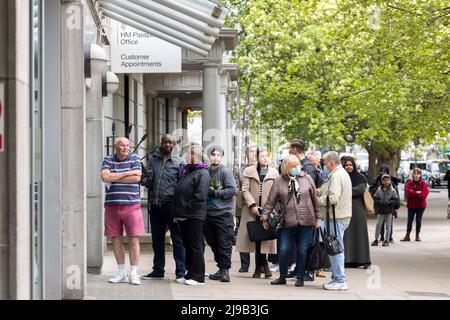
164, 171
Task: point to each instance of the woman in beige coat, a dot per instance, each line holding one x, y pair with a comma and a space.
258, 180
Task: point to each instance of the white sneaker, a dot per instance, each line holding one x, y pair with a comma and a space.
292, 268
119, 278
134, 279
181, 280
275, 268
335, 286
206, 274
192, 282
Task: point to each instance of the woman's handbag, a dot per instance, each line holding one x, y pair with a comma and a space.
331, 243
317, 256
256, 231
368, 202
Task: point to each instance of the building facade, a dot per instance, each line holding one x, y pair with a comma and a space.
59, 124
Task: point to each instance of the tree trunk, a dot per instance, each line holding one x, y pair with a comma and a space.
372, 171
390, 157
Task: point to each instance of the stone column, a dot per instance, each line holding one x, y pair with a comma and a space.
229, 135
95, 218
73, 155
15, 197
211, 117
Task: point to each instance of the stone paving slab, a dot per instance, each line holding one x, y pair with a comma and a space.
402, 271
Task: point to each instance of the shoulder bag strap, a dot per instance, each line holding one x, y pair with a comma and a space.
327, 230
334, 221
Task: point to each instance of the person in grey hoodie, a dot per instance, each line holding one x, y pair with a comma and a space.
219, 224
386, 201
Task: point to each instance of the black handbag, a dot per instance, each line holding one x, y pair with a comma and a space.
331, 243
256, 231
317, 256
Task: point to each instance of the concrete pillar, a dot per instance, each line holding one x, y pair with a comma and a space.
15, 197
222, 111
73, 155
229, 135
95, 218
211, 117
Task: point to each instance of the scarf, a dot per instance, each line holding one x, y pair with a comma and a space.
356, 177
188, 168
294, 189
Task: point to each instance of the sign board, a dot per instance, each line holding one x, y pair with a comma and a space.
134, 51
2, 117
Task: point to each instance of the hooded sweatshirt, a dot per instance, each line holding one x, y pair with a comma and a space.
386, 199
223, 185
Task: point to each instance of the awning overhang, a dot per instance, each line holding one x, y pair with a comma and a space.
191, 24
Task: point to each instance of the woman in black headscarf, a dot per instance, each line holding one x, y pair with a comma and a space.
356, 237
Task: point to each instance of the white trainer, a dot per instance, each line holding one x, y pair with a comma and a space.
119, 278
192, 282
134, 279
335, 286
275, 268
181, 280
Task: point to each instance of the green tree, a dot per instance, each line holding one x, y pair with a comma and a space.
375, 73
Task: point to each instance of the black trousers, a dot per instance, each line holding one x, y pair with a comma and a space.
193, 239
219, 233
260, 258
244, 256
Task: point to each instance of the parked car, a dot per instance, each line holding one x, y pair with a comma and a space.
437, 169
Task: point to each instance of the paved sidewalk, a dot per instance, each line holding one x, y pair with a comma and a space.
414, 270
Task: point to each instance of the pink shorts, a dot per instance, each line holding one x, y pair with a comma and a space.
118, 216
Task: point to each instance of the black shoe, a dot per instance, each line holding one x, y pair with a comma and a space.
280, 280
153, 275
243, 270
374, 243
217, 275
381, 239
291, 275
225, 276
385, 243
308, 276
299, 282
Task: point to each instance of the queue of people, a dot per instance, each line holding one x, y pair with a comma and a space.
194, 198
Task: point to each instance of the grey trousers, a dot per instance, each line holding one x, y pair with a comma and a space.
387, 219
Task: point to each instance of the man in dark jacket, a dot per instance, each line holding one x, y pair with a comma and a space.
164, 171
219, 222
297, 148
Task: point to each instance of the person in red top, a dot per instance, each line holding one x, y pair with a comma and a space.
417, 193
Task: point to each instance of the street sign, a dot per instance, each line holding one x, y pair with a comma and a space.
2, 117
134, 51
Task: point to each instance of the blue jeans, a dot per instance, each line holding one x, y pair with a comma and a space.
419, 214
338, 261
160, 219
301, 235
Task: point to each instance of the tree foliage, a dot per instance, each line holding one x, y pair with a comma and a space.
374, 73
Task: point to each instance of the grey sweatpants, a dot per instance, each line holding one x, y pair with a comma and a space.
387, 219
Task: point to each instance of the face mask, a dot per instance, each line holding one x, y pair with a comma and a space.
295, 171
325, 171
